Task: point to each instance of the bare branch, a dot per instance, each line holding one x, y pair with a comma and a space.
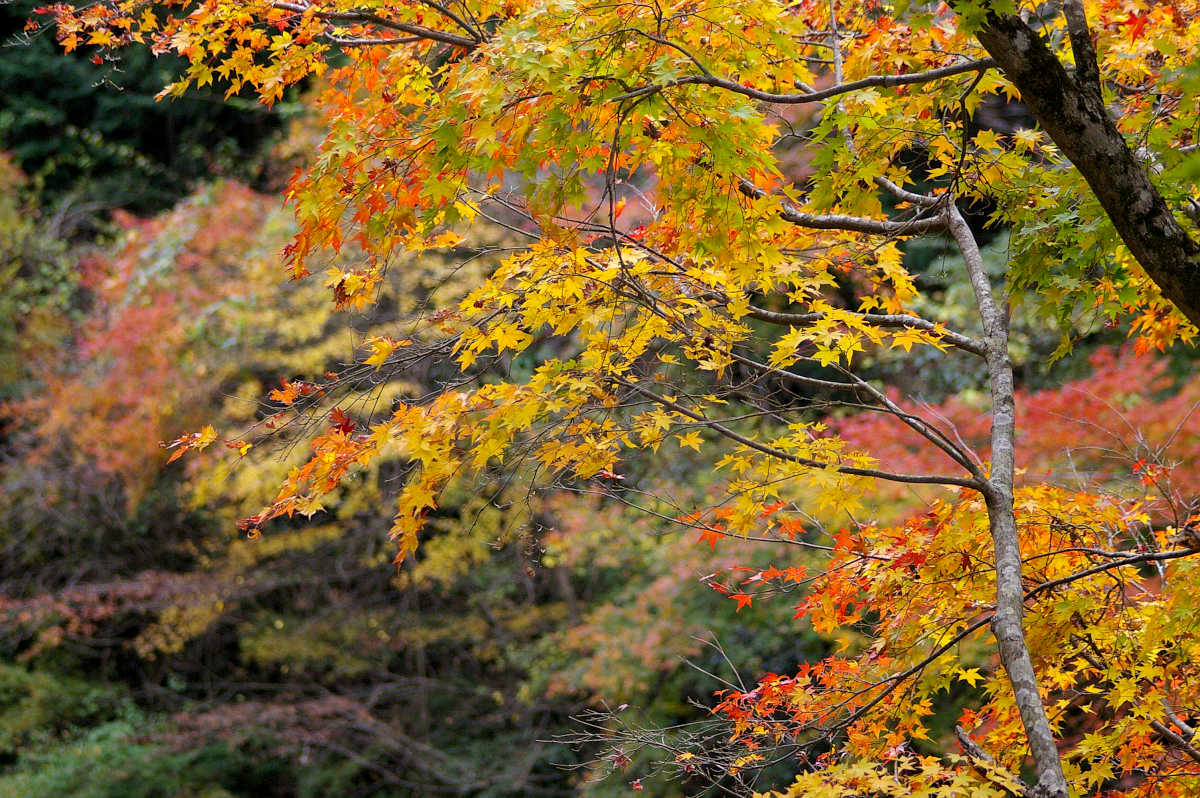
885, 81
716, 426
904, 195
799, 379
922, 428
419, 31
855, 224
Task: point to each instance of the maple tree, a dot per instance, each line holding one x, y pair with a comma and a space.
677, 286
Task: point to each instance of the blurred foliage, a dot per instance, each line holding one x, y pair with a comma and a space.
302, 662
38, 708
38, 281
149, 649
94, 138
122, 568
111, 761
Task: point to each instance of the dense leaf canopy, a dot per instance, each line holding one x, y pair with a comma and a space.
682, 228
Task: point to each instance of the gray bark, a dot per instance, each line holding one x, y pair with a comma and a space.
998, 495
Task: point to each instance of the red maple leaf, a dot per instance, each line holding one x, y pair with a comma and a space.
1136, 24
844, 541
342, 422
769, 509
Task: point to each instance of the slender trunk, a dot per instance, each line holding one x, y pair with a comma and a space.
998, 495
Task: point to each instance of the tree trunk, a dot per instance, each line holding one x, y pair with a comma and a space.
1071, 111
998, 495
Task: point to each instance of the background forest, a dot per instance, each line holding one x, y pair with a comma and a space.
150, 647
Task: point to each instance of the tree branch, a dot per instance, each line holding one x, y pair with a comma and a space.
419, 31
975, 752
885, 81
1078, 123
1152, 556
854, 224
1087, 71
910, 479
799, 379
1007, 622
1175, 740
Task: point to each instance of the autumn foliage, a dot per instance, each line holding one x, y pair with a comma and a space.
132, 367
607, 264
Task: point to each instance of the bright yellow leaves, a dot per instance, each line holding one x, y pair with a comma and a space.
646, 270
1099, 636
971, 676
382, 348
197, 441
354, 289
509, 337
